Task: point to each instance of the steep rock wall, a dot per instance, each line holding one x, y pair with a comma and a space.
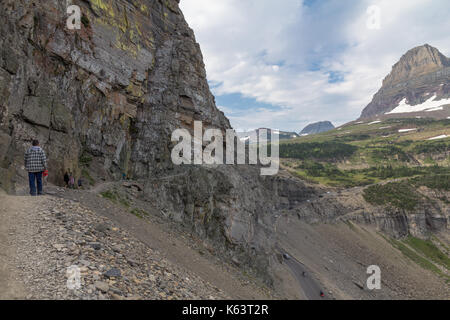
115, 89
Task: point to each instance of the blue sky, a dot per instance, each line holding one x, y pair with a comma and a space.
286, 63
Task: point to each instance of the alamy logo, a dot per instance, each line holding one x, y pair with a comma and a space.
374, 281
73, 278
191, 150
374, 20
74, 20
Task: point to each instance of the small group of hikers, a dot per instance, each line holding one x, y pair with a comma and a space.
69, 181
35, 162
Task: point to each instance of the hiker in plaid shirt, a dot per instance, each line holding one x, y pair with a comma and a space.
35, 164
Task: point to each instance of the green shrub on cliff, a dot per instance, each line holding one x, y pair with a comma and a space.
437, 181
317, 150
397, 194
429, 249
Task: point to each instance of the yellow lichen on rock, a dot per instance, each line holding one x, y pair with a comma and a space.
104, 5
144, 9
135, 90
132, 49
126, 25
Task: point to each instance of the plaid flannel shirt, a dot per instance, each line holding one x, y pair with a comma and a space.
35, 160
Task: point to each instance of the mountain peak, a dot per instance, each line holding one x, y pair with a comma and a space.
317, 127
416, 62
419, 81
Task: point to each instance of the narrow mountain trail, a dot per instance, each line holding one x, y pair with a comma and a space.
100, 187
117, 255
41, 238
12, 210
175, 245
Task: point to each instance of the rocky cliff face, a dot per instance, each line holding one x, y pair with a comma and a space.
421, 74
429, 217
111, 94
115, 89
317, 127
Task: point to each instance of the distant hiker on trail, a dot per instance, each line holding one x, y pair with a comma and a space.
71, 182
35, 163
66, 179
80, 183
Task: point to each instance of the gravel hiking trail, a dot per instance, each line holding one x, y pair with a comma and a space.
119, 256
12, 210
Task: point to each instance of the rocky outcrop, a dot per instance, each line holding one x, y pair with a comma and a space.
421, 74
230, 207
317, 127
430, 216
415, 63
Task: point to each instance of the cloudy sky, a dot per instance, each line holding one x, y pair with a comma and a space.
285, 63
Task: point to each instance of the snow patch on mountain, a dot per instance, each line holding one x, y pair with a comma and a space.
429, 105
439, 137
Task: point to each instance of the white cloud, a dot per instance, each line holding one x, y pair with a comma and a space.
282, 53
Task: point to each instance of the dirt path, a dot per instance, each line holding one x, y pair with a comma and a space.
11, 214
41, 237
174, 246
38, 235
100, 187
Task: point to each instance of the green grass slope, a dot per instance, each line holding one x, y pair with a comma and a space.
359, 154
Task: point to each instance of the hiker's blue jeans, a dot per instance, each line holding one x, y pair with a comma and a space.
35, 177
